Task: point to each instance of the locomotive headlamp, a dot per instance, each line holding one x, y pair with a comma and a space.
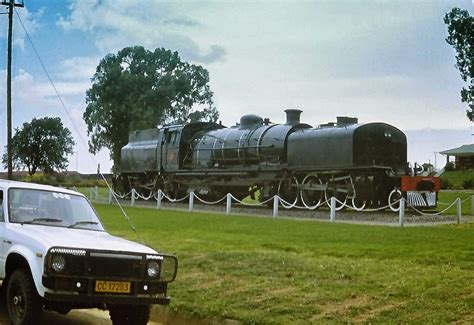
58, 263
153, 269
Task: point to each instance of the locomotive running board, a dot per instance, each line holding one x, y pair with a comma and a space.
213, 174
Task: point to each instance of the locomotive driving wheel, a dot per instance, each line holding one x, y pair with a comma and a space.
288, 190
312, 191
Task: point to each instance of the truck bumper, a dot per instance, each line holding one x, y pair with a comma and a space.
81, 290
105, 299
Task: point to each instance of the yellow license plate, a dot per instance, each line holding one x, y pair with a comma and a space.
112, 286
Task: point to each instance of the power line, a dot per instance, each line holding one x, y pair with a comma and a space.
127, 218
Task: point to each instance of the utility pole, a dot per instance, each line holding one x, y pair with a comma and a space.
11, 4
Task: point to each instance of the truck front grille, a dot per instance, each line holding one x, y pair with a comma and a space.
115, 265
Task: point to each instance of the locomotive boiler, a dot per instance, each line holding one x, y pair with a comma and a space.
361, 164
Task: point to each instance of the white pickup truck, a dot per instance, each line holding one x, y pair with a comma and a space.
56, 255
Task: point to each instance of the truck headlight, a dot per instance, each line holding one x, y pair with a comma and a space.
166, 266
169, 268
58, 263
153, 269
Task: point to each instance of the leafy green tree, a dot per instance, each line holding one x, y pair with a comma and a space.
42, 144
461, 37
139, 89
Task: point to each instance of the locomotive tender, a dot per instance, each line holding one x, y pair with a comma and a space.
359, 164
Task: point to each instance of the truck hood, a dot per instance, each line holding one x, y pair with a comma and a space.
47, 237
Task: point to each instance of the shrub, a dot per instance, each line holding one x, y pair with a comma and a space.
449, 166
445, 184
467, 184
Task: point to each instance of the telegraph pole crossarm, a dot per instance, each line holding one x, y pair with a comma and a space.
11, 4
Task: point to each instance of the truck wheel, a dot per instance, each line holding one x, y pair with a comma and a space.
23, 302
129, 314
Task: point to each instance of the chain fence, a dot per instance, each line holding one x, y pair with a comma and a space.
402, 211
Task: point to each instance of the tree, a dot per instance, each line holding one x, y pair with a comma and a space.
42, 144
139, 89
461, 37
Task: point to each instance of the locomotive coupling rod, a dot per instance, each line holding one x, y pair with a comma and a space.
313, 187
340, 178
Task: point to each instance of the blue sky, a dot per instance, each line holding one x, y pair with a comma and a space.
377, 60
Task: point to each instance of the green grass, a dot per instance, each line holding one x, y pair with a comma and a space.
277, 271
103, 192
445, 198
456, 178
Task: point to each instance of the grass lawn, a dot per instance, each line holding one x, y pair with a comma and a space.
445, 198
276, 271
102, 191
457, 177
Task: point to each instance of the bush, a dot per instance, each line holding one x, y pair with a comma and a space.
449, 167
467, 184
63, 180
445, 184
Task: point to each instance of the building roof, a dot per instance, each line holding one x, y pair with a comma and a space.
462, 151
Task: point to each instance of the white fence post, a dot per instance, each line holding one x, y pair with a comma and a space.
332, 215
158, 199
110, 196
191, 201
401, 212
132, 202
96, 192
276, 201
472, 205
229, 204
458, 210
91, 194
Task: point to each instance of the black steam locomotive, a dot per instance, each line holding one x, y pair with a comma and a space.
359, 164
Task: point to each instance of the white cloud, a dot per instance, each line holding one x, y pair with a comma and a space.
33, 98
117, 24
82, 68
31, 21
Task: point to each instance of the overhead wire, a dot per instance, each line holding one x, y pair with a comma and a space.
63, 105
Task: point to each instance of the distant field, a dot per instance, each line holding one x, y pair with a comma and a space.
275, 271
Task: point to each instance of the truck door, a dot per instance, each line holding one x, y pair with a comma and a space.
2, 231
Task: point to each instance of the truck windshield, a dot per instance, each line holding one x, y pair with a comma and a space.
30, 206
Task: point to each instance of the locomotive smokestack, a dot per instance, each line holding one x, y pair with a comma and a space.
292, 116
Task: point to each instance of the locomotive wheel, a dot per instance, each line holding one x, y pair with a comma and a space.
337, 187
310, 197
288, 190
394, 199
358, 205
